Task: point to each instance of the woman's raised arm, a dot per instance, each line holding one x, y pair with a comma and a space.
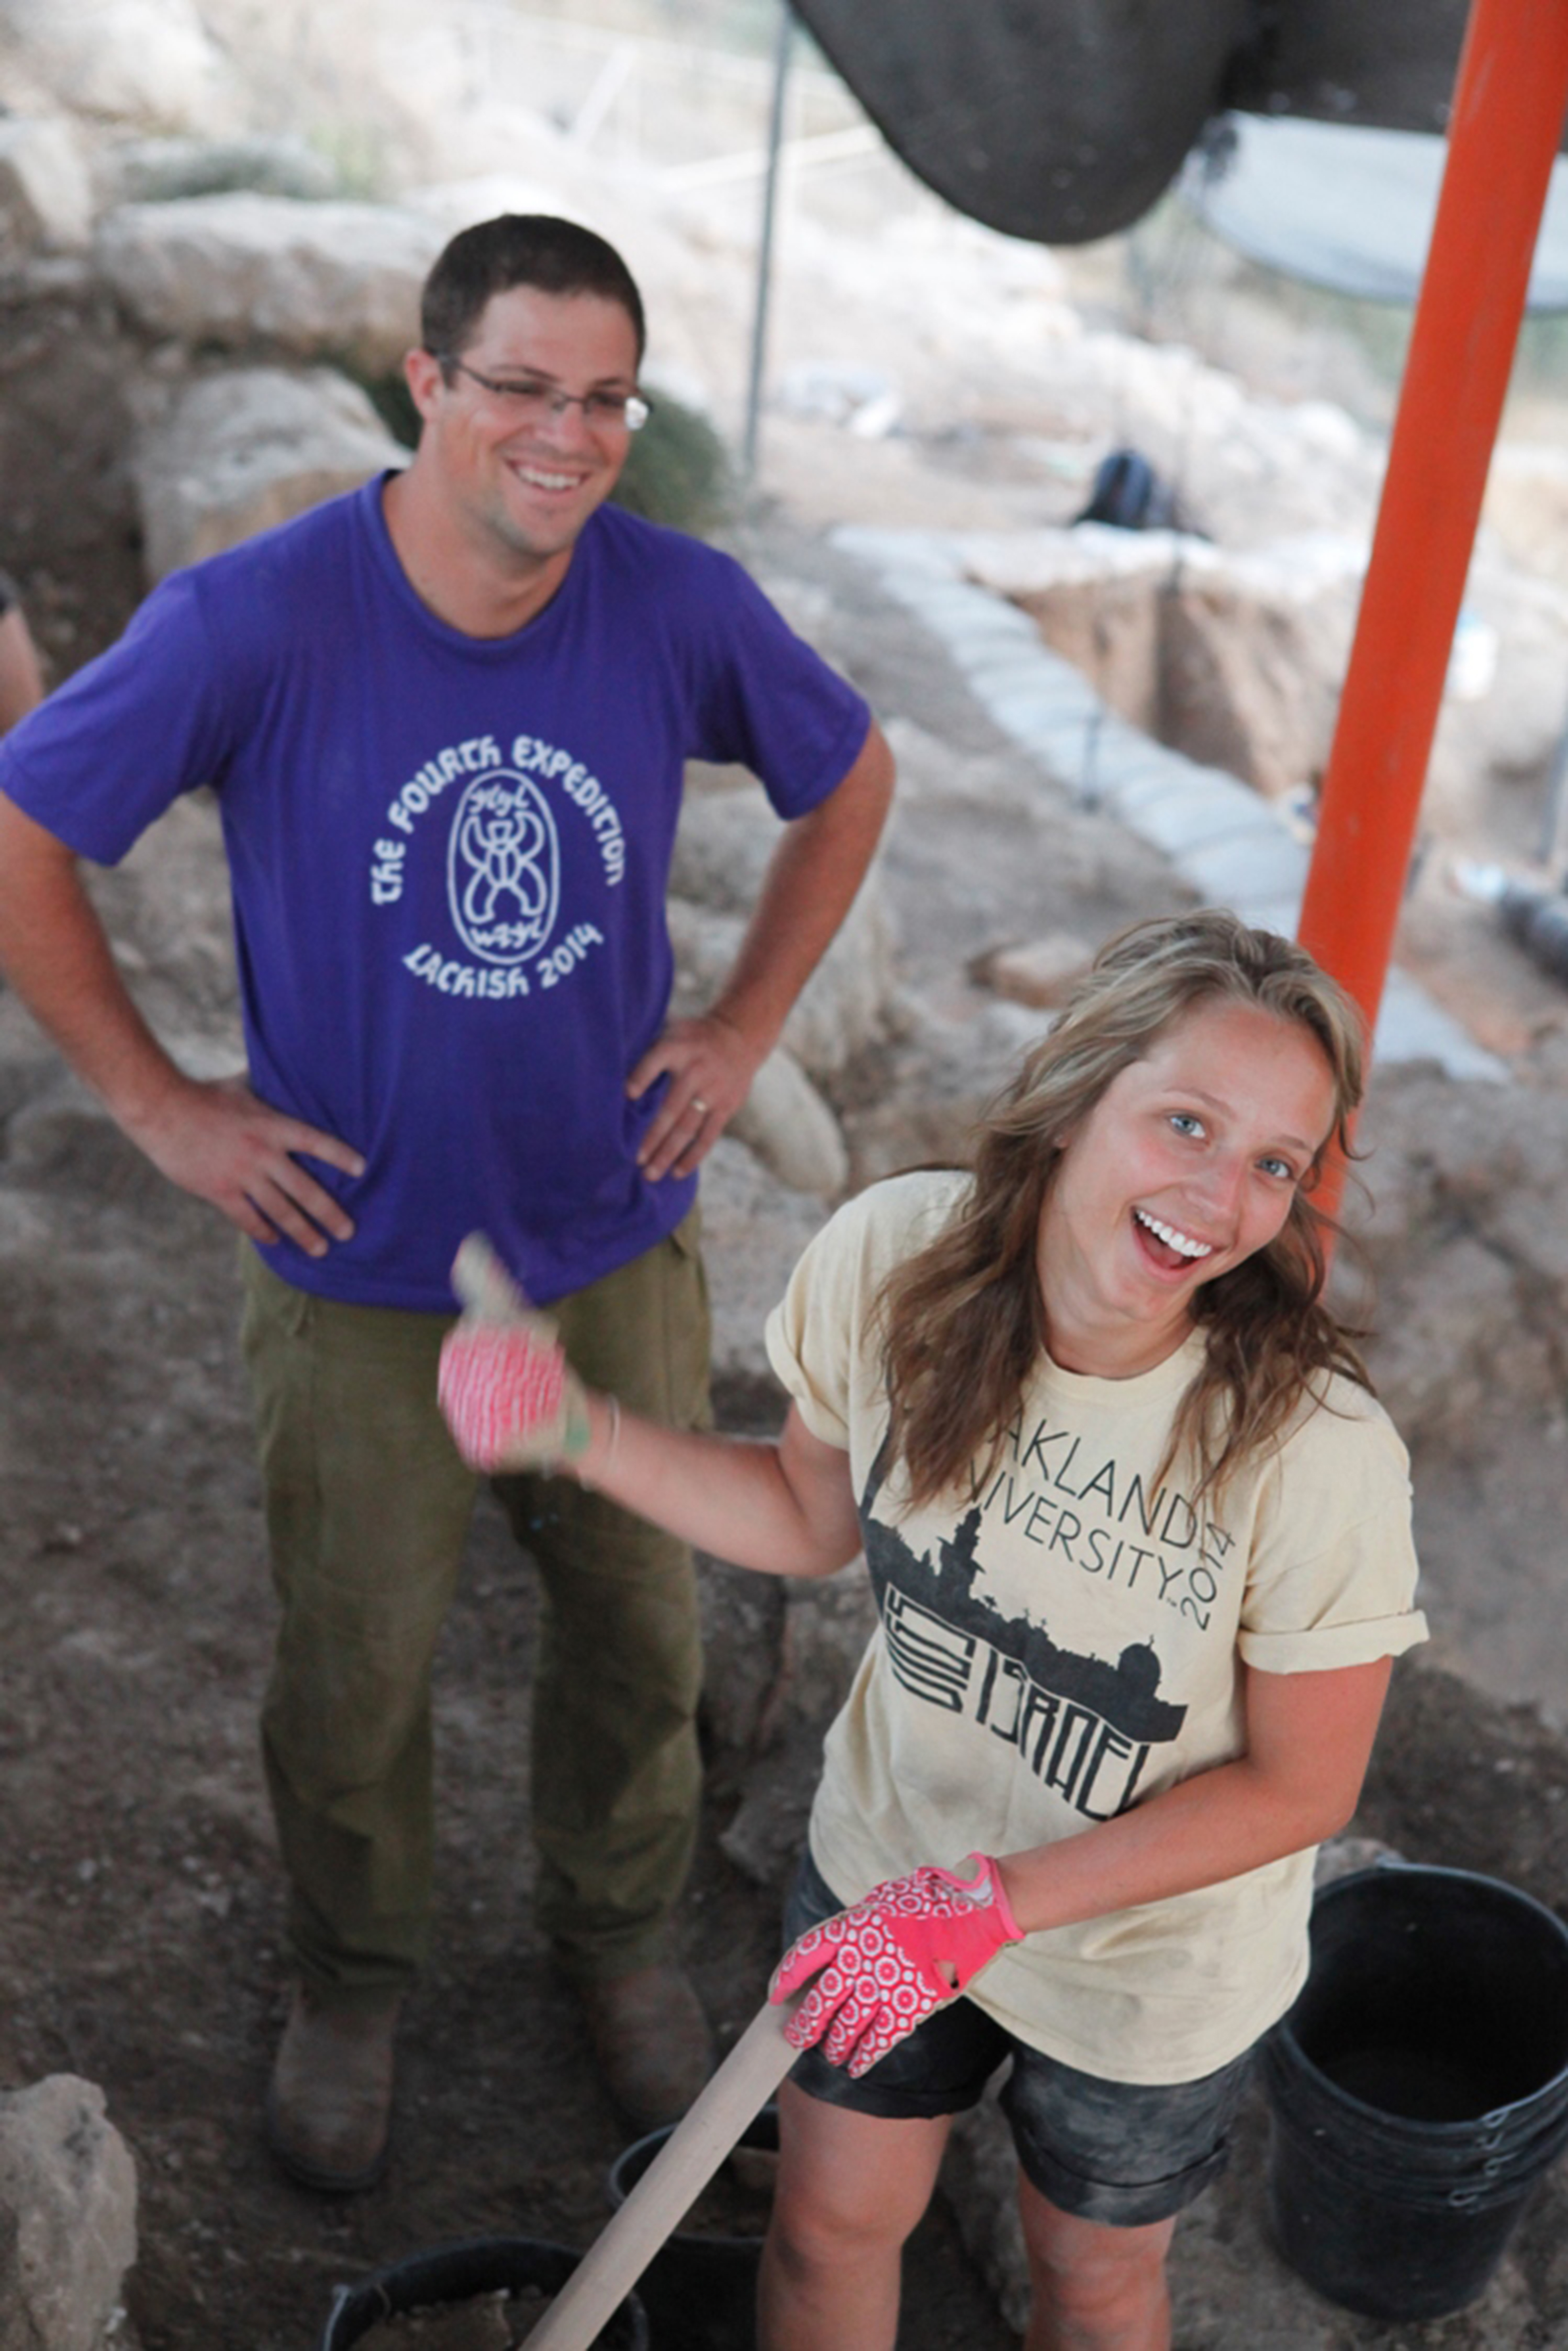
787, 1507
513, 1403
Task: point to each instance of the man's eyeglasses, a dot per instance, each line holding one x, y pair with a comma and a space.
530, 397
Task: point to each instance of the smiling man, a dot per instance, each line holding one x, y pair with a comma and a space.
446, 719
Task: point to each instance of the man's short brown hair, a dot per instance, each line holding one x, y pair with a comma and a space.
558, 257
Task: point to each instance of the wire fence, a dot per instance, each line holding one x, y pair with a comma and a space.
648, 100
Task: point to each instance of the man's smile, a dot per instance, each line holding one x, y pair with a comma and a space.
539, 477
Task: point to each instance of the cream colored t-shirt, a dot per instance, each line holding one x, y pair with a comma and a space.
1061, 1638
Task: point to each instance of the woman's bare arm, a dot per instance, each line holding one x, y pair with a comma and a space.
1309, 1740
785, 1508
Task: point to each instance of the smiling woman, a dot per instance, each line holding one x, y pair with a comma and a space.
1150, 1169
1141, 1543
1186, 1165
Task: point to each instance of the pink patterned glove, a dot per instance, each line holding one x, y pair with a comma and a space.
510, 1397
881, 1962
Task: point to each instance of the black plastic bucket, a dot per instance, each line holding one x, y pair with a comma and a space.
458, 2272
700, 2291
1418, 2087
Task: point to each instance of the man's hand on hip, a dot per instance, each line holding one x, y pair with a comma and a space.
220, 1141
710, 1064
215, 1140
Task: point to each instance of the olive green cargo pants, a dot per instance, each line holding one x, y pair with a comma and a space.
368, 1508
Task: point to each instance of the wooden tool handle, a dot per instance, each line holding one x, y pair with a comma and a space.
672, 2183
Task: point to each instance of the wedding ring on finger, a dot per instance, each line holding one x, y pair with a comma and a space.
697, 1104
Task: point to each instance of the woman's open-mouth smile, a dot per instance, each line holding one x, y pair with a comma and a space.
1173, 1241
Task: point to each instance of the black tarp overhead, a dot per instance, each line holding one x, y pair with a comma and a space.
1064, 119
1387, 63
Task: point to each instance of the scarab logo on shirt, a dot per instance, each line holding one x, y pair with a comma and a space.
503, 860
503, 868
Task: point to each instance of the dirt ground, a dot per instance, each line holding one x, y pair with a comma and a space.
140, 1901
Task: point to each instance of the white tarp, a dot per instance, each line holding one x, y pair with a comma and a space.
1349, 208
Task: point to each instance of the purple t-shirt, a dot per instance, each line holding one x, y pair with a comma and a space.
449, 857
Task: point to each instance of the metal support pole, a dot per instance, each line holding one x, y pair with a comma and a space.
1509, 105
765, 248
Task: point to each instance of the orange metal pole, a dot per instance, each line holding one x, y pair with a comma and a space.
1509, 105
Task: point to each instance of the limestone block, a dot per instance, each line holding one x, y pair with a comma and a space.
725, 837
315, 280
851, 1000
1040, 972
792, 1129
162, 170
754, 1232
849, 1003
241, 451
45, 193
944, 1075
706, 944
68, 2216
138, 60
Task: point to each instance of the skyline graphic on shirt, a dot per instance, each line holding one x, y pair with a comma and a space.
1083, 1724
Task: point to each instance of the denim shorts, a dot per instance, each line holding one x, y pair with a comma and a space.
1121, 2153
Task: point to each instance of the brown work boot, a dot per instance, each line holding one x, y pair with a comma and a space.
328, 2103
652, 2041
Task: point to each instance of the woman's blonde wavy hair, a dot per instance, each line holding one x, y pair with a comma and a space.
963, 1322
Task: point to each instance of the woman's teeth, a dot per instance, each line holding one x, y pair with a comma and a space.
1182, 1243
